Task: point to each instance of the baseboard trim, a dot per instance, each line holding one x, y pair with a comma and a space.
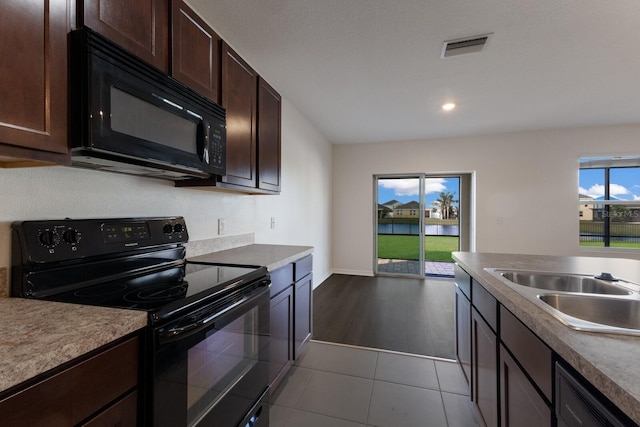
367, 273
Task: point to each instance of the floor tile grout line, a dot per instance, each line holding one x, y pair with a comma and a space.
306, 384
373, 384
444, 409
382, 350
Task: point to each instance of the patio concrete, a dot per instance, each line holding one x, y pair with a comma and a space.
402, 266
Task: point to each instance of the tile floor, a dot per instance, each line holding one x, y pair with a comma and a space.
334, 385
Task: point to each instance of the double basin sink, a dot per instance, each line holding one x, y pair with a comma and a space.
582, 302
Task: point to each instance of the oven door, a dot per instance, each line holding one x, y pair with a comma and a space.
211, 367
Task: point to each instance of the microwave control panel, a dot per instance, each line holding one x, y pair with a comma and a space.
217, 137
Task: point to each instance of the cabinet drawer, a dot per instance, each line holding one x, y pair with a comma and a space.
77, 392
463, 280
532, 354
486, 305
303, 267
123, 413
281, 279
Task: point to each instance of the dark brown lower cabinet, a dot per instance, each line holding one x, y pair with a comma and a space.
97, 391
520, 403
281, 343
303, 312
291, 314
463, 333
484, 369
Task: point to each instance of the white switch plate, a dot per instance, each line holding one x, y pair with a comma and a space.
222, 225
273, 222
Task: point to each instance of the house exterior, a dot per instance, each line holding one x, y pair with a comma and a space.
411, 210
586, 209
386, 210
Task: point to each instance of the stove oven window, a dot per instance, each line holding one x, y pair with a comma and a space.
219, 361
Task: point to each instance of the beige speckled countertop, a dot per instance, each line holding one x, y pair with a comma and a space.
40, 335
610, 362
271, 256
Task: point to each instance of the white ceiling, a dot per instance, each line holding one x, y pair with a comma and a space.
370, 70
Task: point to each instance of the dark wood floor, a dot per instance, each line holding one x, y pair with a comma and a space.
407, 315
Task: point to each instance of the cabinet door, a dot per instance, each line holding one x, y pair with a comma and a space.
239, 84
269, 118
33, 71
520, 403
281, 343
195, 51
303, 312
141, 26
485, 369
463, 333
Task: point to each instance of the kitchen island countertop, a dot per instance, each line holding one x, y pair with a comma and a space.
610, 362
41, 335
270, 256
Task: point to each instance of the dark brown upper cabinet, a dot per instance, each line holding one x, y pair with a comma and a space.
239, 85
269, 149
141, 26
33, 92
195, 51
254, 115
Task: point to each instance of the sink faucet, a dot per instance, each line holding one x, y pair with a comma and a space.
606, 276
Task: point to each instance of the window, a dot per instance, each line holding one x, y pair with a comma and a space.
609, 199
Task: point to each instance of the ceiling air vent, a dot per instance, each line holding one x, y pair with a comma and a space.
464, 46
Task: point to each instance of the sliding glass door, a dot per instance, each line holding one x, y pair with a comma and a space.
417, 224
400, 224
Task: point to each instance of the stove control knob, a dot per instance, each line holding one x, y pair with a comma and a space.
167, 229
178, 228
49, 238
71, 236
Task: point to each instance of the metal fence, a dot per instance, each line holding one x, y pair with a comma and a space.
594, 231
411, 227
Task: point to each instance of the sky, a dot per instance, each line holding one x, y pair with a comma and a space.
405, 190
624, 183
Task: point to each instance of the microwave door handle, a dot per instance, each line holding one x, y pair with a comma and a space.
203, 141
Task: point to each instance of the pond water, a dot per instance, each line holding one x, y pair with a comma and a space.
413, 229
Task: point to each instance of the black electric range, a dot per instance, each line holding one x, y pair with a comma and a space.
208, 324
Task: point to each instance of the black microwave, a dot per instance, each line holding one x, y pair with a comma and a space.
129, 117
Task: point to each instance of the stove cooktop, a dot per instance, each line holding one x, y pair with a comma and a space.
132, 263
164, 292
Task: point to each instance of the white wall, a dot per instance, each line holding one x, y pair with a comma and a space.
302, 210
529, 179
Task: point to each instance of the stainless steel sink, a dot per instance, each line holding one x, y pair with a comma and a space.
579, 301
604, 313
560, 282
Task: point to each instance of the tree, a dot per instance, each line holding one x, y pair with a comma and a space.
444, 203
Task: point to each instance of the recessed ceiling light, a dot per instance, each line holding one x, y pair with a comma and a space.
448, 106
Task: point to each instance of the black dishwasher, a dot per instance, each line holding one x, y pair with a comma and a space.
577, 406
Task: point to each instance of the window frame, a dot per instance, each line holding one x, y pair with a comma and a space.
607, 165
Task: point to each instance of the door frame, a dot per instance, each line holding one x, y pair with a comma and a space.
467, 207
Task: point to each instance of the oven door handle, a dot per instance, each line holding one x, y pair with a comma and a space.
179, 332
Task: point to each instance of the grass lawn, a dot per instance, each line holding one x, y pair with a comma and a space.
436, 248
613, 244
